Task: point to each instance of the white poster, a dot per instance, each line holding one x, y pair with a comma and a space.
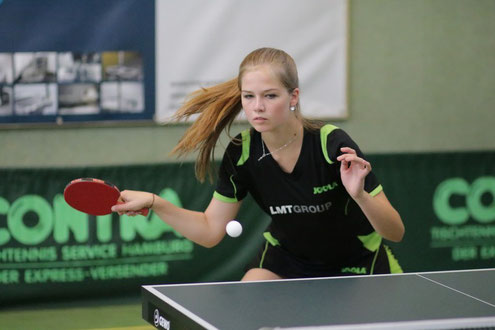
202, 42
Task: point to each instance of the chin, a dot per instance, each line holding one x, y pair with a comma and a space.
260, 128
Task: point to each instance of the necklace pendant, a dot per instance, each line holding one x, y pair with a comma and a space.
264, 156
278, 149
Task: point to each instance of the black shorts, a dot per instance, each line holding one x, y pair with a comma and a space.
284, 264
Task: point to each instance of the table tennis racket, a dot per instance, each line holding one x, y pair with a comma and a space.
93, 196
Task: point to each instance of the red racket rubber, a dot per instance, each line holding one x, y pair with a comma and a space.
94, 196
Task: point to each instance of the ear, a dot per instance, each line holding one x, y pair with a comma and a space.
294, 97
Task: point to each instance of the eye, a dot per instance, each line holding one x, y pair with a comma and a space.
247, 96
271, 96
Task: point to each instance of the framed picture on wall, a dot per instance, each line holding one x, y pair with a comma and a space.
95, 65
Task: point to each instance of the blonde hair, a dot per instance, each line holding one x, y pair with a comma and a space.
218, 106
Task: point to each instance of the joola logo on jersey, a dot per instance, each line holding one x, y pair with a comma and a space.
289, 209
325, 188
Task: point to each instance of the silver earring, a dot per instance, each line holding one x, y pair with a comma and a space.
292, 108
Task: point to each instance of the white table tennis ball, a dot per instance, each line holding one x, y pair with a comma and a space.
234, 228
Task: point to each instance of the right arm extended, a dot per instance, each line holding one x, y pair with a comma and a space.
204, 228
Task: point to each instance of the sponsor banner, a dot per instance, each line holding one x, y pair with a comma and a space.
48, 249
447, 202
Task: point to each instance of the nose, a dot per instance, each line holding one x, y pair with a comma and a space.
259, 105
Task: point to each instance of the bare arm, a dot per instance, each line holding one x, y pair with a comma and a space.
380, 213
382, 216
204, 228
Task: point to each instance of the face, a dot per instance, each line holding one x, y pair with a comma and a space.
265, 100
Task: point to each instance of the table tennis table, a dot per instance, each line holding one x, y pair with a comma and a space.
428, 300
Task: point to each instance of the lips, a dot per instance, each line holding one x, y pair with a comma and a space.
259, 119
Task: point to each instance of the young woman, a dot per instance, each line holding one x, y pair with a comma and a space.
329, 212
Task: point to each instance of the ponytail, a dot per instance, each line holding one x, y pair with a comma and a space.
217, 107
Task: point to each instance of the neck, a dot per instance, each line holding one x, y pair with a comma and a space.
276, 138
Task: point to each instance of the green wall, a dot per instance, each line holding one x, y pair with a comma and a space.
421, 79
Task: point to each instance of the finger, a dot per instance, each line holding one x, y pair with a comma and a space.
344, 157
345, 165
348, 150
123, 195
354, 158
364, 163
121, 207
131, 214
348, 157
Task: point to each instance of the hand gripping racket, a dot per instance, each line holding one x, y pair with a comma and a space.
94, 196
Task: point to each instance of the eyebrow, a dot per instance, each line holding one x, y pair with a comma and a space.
265, 91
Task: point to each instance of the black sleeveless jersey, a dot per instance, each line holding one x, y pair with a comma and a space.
313, 216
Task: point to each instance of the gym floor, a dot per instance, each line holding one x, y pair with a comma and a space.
112, 313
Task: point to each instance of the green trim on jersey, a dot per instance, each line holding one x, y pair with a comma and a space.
393, 263
226, 199
223, 198
264, 254
372, 270
270, 239
376, 191
372, 241
324, 132
246, 144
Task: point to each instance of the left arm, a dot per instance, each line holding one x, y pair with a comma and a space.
382, 216
380, 213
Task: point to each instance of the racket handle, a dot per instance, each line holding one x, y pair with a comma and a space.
144, 212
